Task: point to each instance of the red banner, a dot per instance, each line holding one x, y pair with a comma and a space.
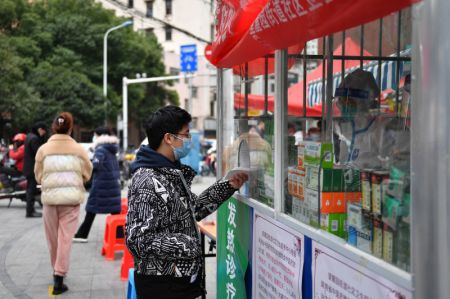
283, 23
234, 18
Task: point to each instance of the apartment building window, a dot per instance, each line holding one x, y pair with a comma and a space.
149, 12
168, 7
168, 30
194, 91
212, 32
212, 106
149, 31
130, 3
173, 71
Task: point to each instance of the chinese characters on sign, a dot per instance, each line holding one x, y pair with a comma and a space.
231, 266
278, 253
335, 276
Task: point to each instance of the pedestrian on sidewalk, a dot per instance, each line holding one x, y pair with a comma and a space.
17, 153
161, 226
34, 140
62, 167
105, 194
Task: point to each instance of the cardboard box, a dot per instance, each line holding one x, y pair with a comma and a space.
314, 218
351, 180
340, 180
301, 156
355, 215
366, 191
388, 244
365, 238
331, 180
377, 244
312, 177
312, 199
360, 238
296, 182
336, 202
334, 223
316, 152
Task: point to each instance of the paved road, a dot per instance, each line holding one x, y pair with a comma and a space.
25, 270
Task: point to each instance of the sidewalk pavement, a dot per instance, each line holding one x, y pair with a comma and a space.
25, 270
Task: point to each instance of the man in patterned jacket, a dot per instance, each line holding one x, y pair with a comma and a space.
161, 230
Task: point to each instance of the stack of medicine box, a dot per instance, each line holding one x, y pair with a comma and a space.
309, 157
365, 226
340, 187
395, 217
334, 192
316, 156
296, 187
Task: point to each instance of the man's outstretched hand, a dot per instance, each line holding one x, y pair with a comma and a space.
237, 180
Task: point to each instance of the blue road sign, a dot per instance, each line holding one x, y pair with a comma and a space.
188, 59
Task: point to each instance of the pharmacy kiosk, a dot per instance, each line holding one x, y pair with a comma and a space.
338, 111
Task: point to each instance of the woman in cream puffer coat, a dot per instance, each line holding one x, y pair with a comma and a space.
62, 166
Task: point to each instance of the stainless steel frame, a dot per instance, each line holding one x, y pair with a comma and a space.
430, 148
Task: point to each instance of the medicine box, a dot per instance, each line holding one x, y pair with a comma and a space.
316, 153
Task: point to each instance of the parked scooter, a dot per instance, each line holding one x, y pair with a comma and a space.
13, 184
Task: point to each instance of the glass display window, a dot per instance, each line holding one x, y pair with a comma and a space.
347, 169
252, 146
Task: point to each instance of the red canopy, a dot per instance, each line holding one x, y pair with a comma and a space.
257, 102
282, 24
234, 18
295, 92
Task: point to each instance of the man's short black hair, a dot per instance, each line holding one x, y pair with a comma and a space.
38, 125
169, 119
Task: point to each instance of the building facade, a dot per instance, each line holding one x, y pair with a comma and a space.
176, 23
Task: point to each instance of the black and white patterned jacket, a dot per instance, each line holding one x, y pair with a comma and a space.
161, 231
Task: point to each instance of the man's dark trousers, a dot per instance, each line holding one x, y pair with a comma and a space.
31, 192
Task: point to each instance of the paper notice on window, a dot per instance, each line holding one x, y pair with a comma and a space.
335, 276
278, 254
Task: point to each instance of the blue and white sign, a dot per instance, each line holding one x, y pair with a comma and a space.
188, 59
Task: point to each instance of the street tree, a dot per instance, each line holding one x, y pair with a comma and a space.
51, 58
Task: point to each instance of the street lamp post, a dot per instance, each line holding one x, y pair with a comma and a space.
105, 63
125, 83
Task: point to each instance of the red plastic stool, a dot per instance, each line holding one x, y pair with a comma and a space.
124, 206
110, 241
127, 263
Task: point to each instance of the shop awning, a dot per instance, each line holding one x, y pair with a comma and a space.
314, 87
388, 77
256, 102
257, 28
233, 20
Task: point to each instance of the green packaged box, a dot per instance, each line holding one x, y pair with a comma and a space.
331, 180
317, 152
392, 211
340, 180
351, 180
334, 223
403, 246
